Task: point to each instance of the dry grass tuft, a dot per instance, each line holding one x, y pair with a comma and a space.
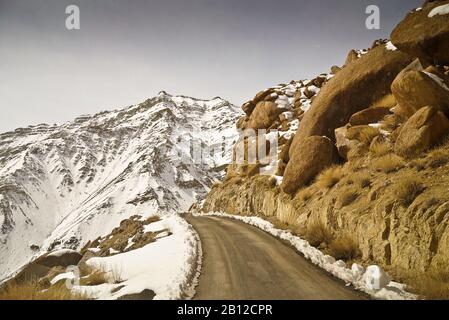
96, 278
380, 148
367, 135
33, 291
344, 248
330, 177
407, 189
305, 195
390, 123
101, 276
360, 179
437, 158
317, 233
386, 101
357, 154
347, 196
388, 163
432, 284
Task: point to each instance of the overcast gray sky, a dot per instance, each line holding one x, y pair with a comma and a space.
127, 51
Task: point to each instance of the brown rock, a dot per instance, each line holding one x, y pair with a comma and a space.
354, 88
284, 157
319, 81
438, 72
344, 145
352, 56
308, 93
262, 95
264, 115
423, 36
368, 116
335, 69
415, 88
317, 153
422, 131
70, 258
248, 107
241, 123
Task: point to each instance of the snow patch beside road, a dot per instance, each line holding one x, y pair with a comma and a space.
170, 266
374, 281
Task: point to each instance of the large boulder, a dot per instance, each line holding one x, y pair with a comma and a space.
248, 107
354, 88
422, 131
317, 153
368, 116
415, 88
263, 116
425, 33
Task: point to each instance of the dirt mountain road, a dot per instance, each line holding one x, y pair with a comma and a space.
241, 262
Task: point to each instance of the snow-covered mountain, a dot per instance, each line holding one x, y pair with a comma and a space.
63, 185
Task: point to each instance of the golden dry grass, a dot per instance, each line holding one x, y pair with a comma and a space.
99, 276
317, 233
32, 291
360, 179
390, 123
366, 135
347, 196
437, 158
357, 154
380, 148
329, 177
305, 195
344, 248
432, 284
407, 189
388, 163
386, 101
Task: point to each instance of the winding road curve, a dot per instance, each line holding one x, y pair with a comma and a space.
242, 262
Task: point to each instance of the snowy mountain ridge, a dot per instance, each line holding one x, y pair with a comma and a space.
62, 185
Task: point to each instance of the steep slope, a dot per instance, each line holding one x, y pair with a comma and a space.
65, 185
365, 177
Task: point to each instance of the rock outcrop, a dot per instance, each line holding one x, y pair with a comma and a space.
368, 116
377, 126
415, 88
422, 131
424, 33
353, 89
317, 153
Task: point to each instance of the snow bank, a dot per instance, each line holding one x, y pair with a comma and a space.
169, 267
59, 253
441, 10
374, 281
63, 276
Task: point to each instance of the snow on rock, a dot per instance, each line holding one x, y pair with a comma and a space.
357, 271
437, 80
169, 266
381, 288
390, 46
61, 252
441, 10
63, 276
375, 278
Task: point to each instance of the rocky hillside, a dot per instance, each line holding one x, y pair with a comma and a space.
63, 185
363, 159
